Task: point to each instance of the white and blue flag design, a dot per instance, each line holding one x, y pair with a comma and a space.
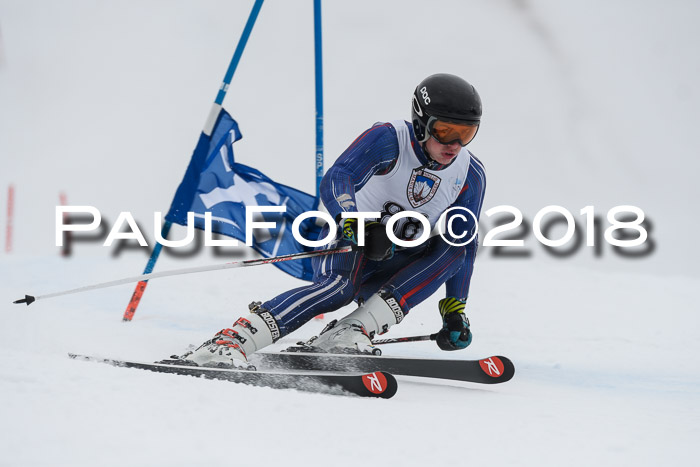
214, 182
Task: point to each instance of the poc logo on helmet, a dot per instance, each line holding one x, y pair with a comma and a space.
416, 106
424, 93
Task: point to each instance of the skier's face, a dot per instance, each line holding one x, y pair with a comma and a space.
442, 153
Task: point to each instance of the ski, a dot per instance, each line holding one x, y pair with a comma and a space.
365, 384
490, 370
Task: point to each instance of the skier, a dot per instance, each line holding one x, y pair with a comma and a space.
422, 166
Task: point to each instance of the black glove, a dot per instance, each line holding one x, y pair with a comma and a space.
455, 333
377, 247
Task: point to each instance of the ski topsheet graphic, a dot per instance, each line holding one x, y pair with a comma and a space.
490, 370
369, 384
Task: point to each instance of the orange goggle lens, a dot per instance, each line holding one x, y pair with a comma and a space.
447, 133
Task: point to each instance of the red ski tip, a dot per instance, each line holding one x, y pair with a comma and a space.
380, 384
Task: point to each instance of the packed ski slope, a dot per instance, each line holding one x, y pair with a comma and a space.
585, 104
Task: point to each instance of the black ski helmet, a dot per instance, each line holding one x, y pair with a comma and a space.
445, 97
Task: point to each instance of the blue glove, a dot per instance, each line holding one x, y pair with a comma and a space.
455, 333
377, 247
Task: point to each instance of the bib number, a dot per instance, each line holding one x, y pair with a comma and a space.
407, 228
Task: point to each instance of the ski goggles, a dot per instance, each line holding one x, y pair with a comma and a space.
448, 132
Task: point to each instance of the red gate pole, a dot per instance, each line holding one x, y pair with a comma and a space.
64, 202
10, 218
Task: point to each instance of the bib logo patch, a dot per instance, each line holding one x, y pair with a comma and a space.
421, 187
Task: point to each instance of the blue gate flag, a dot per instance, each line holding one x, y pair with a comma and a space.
215, 182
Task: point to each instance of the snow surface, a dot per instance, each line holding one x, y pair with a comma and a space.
586, 103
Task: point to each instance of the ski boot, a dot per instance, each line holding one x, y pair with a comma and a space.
231, 347
354, 333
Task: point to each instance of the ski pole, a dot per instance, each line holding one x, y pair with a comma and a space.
396, 340
28, 299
